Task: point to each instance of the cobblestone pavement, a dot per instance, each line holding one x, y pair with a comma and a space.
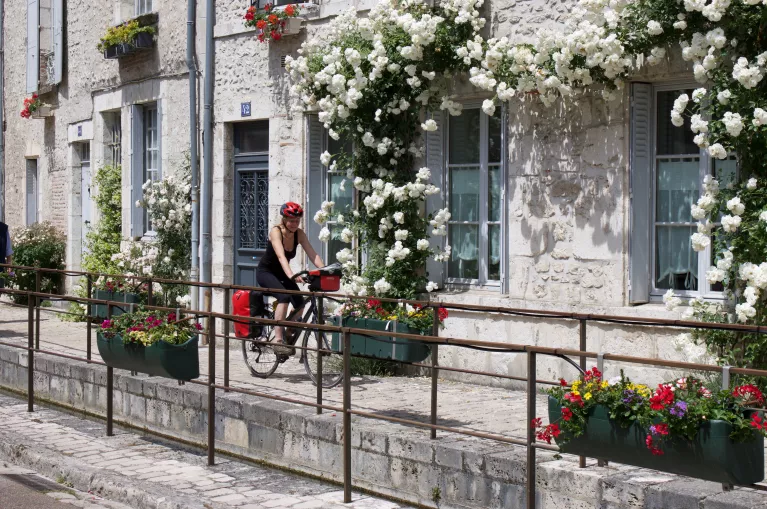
20, 487
467, 406
146, 463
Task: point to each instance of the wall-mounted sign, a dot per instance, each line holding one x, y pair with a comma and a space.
245, 109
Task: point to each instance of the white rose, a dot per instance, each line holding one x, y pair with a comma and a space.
488, 106
347, 235
717, 151
429, 125
325, 158
381, 286
654, 28
399, 217
422, 244
698, 212
698, 94
735, 206
670, 300
730, 224
324, 235
751, 184
724, 96
760, 117
700, 241
431, 286
400, 234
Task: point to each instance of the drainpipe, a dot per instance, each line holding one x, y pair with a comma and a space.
2, 111
207, 147
191, 65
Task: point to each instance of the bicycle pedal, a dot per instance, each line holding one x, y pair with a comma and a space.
282, 358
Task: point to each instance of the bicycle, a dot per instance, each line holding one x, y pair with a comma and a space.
263, 361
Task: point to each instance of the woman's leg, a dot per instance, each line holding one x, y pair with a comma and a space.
269, 280
280, 312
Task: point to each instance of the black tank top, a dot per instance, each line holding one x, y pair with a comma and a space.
270, 262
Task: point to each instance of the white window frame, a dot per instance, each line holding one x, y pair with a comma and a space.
705, 167
36, 191
482, 282
144, 7
113, 138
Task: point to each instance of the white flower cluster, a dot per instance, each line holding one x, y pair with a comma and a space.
670, 300
396, 253
439, 223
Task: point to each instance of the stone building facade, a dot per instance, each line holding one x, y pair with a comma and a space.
576, 207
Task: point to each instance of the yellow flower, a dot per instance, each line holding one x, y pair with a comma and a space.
587, 396
576, 384
605, 384
575, 393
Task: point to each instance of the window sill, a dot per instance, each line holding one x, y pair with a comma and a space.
490, 297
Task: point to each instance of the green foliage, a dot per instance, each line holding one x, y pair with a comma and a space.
103, 239
123, 34
41, 245
361, 366
148, 327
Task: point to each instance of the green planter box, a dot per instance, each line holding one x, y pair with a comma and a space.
381, 346
711, 455
100, 310
181, 362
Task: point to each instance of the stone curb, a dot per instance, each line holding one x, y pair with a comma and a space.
97, 481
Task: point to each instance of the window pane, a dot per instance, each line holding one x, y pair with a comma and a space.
676, 263
494, 138
251, 137
716, 255
464, 260
677, 189
494, 252
339, 146
726, 170
494, 193
464, 194
464, 138
672, 139
335, 244
343, 198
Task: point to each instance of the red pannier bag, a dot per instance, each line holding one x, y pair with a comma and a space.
247, 303
326, 279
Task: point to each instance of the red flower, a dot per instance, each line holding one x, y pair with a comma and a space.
592, 374
197, 326
567, 414
654, 450
34, 96
276, 36
563, 382
749, 393
249, 15
572, 398
442, 313
758, 423
261, 37
535, 423
373, 303
548, 432
272, 19
659, 429
381, 311
268, 7
171, 317
260, 24
290, 10
662, 398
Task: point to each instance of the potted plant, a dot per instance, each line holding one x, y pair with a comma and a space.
681, 427
386, 317
272, 24
152, 342
35, 108
116, 288
125, 38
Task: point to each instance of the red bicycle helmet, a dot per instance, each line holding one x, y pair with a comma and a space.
291, 209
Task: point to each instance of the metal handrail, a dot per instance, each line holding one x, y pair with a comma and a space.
35, 298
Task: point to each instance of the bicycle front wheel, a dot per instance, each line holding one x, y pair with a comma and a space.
332, 363
260, 358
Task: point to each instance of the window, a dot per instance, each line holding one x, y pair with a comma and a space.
113, 138
151, 153
475, 197
143, 7
677, 167
340, 190
146, 159
33, 192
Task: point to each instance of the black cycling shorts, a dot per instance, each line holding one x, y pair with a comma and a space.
267, 279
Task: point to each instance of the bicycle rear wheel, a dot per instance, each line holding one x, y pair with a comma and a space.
332, 363
260, 358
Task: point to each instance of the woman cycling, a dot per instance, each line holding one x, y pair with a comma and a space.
274, 267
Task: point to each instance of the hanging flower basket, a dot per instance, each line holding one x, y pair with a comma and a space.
125, 39
272, 24
712, 455
100, 310
151, 342
681, 427
381, 346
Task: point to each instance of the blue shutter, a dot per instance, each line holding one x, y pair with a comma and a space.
137, 169
31, 191
33, 45
435, 161
315, 185
58, 40
640, 175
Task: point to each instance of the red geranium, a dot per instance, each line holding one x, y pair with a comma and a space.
268, 7
250, 13
290, 10
567, 414
562, 382
662, 398
758, 423
260, 24
442, 313
272, 19
750, 394
573, 398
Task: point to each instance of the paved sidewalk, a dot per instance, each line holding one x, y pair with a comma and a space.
468, 406
145, 472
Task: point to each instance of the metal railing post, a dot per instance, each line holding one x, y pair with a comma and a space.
347, 417
150, 293
582, 348
110, 385
434, 372
89, 288
211, 391
226, 339
30, 356
319, 336
531, 375
38, 286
